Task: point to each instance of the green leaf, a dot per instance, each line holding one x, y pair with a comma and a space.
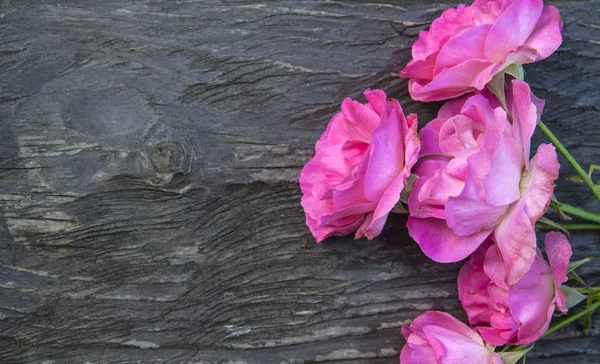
496, 86
555, 204
576, 178
576, 278
593, 168
515, 70
401, 207
512, 357
573, 296
554, 225
578, 263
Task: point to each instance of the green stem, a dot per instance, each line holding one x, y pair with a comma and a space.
571, 160
570, 227
562, 324
590, 216
588, 290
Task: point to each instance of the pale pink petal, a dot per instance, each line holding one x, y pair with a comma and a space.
479, 108
421, 351
456, 135
526, 112
516, 240
502, 182
559, 253
512, 28
537, 184
546, 37
451, 347
446, 320
440, 243
479, 165
442, 185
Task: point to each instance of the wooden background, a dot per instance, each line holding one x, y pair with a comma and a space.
149, 155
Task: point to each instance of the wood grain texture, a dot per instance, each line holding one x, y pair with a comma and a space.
149, 152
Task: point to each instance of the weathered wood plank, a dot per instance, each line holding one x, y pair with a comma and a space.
149, 153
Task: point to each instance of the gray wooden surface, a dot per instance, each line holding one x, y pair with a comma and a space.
149, 153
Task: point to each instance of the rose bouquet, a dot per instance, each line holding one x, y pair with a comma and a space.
467, 180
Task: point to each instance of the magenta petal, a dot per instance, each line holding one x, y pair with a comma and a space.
387, 157
530, 308
468, 216
446, 320
468, 44
494, 266
440, 243
420, 69
430, 136
512, 28
559, 253
362, 230
492, 335
450, 82
452, 107
362, 119
377, 100
342, 226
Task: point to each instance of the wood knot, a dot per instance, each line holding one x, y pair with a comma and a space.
167, 157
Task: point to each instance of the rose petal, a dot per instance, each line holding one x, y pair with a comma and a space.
559, 253
512, 28
440, 243
450, 82
516, 240
538, 183
546, 36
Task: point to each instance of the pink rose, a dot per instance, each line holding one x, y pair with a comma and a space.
517, 314
360, 167
484, 184
437, 337
466, 46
